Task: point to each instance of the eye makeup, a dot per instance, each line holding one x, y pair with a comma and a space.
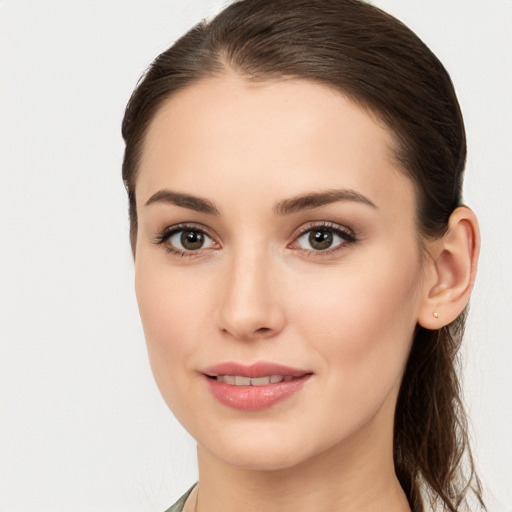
312, 239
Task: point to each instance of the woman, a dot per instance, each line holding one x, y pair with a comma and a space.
303, 259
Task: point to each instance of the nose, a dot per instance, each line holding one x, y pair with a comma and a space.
249, 306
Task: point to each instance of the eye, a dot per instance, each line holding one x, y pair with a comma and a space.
324, 238
190, 240
185, 239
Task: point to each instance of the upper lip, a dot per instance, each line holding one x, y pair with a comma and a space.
259, 369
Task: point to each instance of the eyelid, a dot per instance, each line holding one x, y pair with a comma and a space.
164, 235
347, 234
308, 226
344, 232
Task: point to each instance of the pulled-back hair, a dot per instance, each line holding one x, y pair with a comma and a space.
376, 61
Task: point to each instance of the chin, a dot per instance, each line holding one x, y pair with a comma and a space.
264, 449
260, 459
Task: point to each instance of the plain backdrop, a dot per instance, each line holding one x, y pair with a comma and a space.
82, 424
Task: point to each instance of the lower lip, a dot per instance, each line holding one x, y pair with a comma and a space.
255, 398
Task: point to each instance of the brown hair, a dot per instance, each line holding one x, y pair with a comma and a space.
375, 60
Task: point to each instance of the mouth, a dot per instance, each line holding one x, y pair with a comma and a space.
254, 387
240, 380
260, 369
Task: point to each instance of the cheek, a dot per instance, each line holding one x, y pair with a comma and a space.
171, 300
171, 309
362, 321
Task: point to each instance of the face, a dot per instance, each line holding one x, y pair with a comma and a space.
278, 269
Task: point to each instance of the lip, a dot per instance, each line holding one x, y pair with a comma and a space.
259, 369
254, 398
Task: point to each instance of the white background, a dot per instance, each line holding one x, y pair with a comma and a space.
82, 425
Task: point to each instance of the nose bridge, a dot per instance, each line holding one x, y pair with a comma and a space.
249, 305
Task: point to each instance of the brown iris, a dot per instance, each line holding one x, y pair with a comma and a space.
192, 240
320, 239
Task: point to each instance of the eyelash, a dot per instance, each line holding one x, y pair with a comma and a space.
162, 237
345, 234
348, 237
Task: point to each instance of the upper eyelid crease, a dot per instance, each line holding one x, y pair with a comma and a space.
171, 230
343, 231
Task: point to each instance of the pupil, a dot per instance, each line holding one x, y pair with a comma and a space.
320, 239
192, 240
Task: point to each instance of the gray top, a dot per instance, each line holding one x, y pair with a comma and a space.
178, 506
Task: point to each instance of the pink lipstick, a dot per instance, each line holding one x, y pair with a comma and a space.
254, 387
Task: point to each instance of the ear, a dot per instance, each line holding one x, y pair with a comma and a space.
450, 270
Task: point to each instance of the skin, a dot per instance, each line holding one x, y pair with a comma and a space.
258, 291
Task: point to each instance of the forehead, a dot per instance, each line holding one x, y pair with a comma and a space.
277, 138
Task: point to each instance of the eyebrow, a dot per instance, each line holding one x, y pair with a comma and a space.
195, 203
286, 207
317, 199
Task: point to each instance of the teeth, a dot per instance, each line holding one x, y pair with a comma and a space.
237, 380
242, 381
260, 381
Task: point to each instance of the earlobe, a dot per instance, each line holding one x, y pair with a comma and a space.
451, 270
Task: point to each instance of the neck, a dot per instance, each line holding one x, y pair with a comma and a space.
358, 475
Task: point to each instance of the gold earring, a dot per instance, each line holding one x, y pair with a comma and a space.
435, 314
